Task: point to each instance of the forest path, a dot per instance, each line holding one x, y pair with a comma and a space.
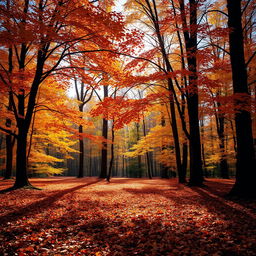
125, 217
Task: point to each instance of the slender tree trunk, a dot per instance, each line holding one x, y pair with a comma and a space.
153, 15
9, 141
181, 177
163, 169
184, 164
147, 154
123, 165
233, 135
104, 151
112, 152
9, 157
245, 166
223, 161
81, 147
90, 162
139, 156
81, 154
9, 151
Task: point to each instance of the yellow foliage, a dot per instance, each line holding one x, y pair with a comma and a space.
48, 170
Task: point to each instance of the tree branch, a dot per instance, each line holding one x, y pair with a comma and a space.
9, 132
250, 59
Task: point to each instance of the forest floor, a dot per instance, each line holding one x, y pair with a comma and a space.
125, 217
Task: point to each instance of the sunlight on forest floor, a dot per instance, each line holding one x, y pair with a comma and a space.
125, 217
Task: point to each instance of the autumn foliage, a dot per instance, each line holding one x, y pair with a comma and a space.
124, 90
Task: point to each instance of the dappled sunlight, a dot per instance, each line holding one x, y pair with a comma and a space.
124, 217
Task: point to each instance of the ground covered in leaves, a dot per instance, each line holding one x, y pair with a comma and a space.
125, 217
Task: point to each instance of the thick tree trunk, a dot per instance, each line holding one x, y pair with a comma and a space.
190, 35
21, 160
21, 153
245, 166
196, 173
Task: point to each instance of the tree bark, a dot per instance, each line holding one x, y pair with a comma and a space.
104, 151
21, 160
223, 161
112, 153
245, 166
81, 154
184, 164
139, 156
9, 141
147, 154
190, 35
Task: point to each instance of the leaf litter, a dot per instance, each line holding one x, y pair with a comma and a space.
125, 217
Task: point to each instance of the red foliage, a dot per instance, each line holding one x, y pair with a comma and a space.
125, 217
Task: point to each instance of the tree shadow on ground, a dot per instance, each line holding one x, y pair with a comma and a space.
88, 227
95, 232
45, 203
204, 197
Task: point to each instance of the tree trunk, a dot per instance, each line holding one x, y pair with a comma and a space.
8, 140
190, 35
223, 161
245, 166
147, 154
90, 162
81, 147
139, 156
175, 133
21, 160
9, 157
184, 164
153, 14
112, 153
21, 153
220, 125
104, 151
81, 154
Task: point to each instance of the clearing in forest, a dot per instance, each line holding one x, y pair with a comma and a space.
125, 217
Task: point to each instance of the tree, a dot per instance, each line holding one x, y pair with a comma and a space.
84, 95
44, 35
245, 166
190, 36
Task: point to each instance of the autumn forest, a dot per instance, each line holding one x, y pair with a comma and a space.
130, 125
